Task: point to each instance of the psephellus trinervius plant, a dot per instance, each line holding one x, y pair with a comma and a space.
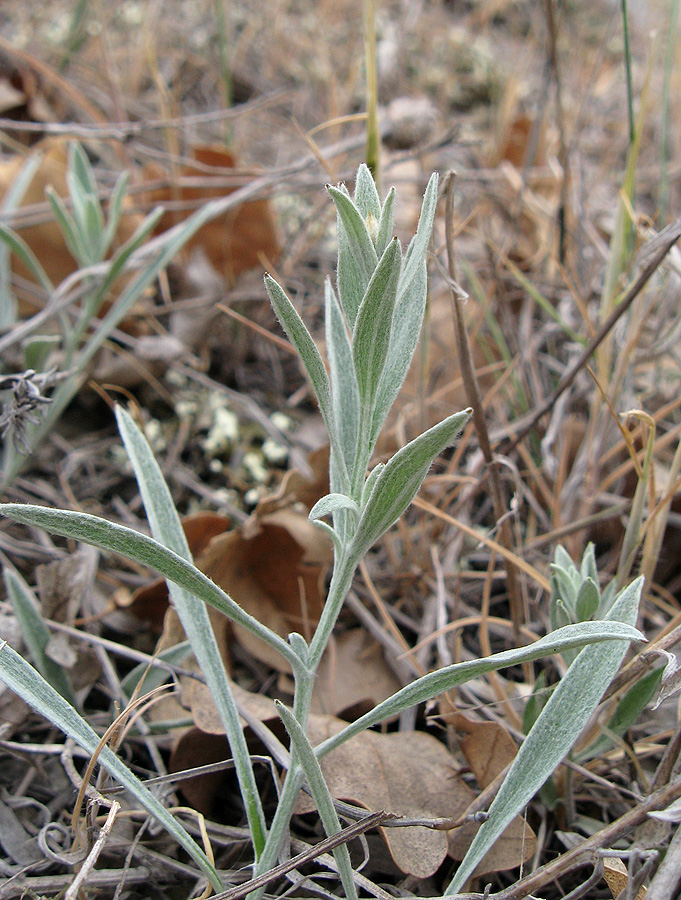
373, 320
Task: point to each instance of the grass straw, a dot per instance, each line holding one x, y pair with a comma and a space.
665, 138
373, 144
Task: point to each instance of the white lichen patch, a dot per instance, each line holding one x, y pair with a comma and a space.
281, 421
273, 452
254, 465
223, 431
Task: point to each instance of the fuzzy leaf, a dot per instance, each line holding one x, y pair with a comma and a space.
146, 551
559, 725
435, 683
306, 348
330, 504
371, 337
322, 797
36, 634
410, 308
400, 479
385, 224
357, 257
367, 200
167, 529
344, 390
419, 243
588, 600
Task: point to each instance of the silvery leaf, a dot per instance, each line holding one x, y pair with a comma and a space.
367, 200
400, 480
344, 390
371, 337
560, 723
357, 257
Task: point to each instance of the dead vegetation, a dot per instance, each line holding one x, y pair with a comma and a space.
562, 255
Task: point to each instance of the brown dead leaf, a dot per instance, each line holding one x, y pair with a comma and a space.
408, 773
23, 99
150, 602
353, 673
63, 587
46, 239
487, 746
296, 487
197, 748
488, 749
616, 876
235, 241
274, 568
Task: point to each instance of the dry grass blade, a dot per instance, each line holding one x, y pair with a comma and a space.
654, 256
475, 400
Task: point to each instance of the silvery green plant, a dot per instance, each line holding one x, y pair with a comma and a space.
373, 320
576, 594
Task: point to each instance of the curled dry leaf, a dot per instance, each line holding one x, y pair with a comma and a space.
353, 674
235, 241
408, 773
616, 876
274, 568
488, 749
150, 602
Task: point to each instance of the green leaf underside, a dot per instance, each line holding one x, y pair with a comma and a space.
385, 224
371, 336
367, 200
357, 257
407, 320
344, 390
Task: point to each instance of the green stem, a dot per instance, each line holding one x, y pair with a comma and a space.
341, 581
344, 570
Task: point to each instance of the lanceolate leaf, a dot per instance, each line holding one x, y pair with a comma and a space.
406, 328
146, 551
399, 481
344, 390
555, 731
357, 257
320, 793
385, 225
436, 683
301, 339
167, 529
23, 679
36, 634
419, 244
366, 196
371, 337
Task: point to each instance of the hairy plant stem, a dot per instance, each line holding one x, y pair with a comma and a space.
344, 569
